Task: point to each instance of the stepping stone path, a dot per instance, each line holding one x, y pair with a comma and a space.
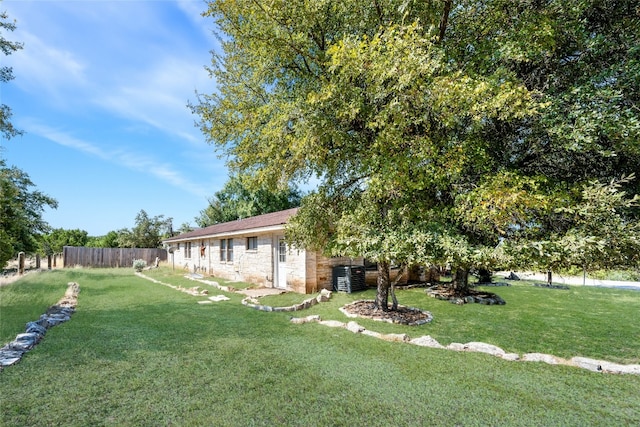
61, 312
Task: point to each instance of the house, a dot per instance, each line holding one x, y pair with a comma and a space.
253, 250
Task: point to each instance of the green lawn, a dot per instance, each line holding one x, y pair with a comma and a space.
138, 353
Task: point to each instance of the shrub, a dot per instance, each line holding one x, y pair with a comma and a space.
139, 264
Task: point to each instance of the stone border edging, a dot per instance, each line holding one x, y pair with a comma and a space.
12, 352
210, 283
195, 291
252, 302
478, 347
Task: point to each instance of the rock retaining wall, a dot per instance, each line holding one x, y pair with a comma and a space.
324, 296
12, 352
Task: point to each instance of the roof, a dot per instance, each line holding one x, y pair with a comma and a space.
254, 223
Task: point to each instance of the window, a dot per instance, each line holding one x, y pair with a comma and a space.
223, 250
187, 250
226, 250
252, 243
282, 251
229, 250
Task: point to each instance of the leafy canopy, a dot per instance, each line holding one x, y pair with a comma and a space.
238, 200
439, 131
21, 209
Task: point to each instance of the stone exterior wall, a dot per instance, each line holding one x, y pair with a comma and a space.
248, 265
306, 272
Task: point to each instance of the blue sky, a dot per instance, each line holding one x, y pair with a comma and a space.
101, 91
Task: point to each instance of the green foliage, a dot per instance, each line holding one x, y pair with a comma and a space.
21, 210
238, 199
440, 133
6, 74
598, 231
58, 238
109, 240
139, 264
147, 233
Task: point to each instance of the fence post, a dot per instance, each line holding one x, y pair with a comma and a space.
21, 263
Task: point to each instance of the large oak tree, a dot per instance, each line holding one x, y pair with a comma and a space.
440, 131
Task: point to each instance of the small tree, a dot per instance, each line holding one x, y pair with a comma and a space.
147, 233
21, 208
238, 199
57, 239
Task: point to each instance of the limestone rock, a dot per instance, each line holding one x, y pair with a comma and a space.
31, 337
395, 337
324, 296
511, 356
308, 319
332, 323
36, 328
426, 341
604, 366
354, 327
541, 357
373, 334
456, 346
7, 360
20, 346
481, 347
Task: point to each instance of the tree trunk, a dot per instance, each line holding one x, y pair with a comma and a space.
401, 273
461, 281
549, 277
394, 300
444, 20
384, 283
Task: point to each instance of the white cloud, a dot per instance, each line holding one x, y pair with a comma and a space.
135, 161
158, 97
66, 140
46, 70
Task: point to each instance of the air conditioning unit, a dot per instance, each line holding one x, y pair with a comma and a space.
349, 278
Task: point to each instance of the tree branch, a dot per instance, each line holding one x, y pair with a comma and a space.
444, 20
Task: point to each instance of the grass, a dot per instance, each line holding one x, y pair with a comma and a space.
20, 304
137, 353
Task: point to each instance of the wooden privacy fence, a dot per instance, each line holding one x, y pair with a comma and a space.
110, 257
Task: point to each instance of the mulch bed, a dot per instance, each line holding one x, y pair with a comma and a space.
403, 315
472, 296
